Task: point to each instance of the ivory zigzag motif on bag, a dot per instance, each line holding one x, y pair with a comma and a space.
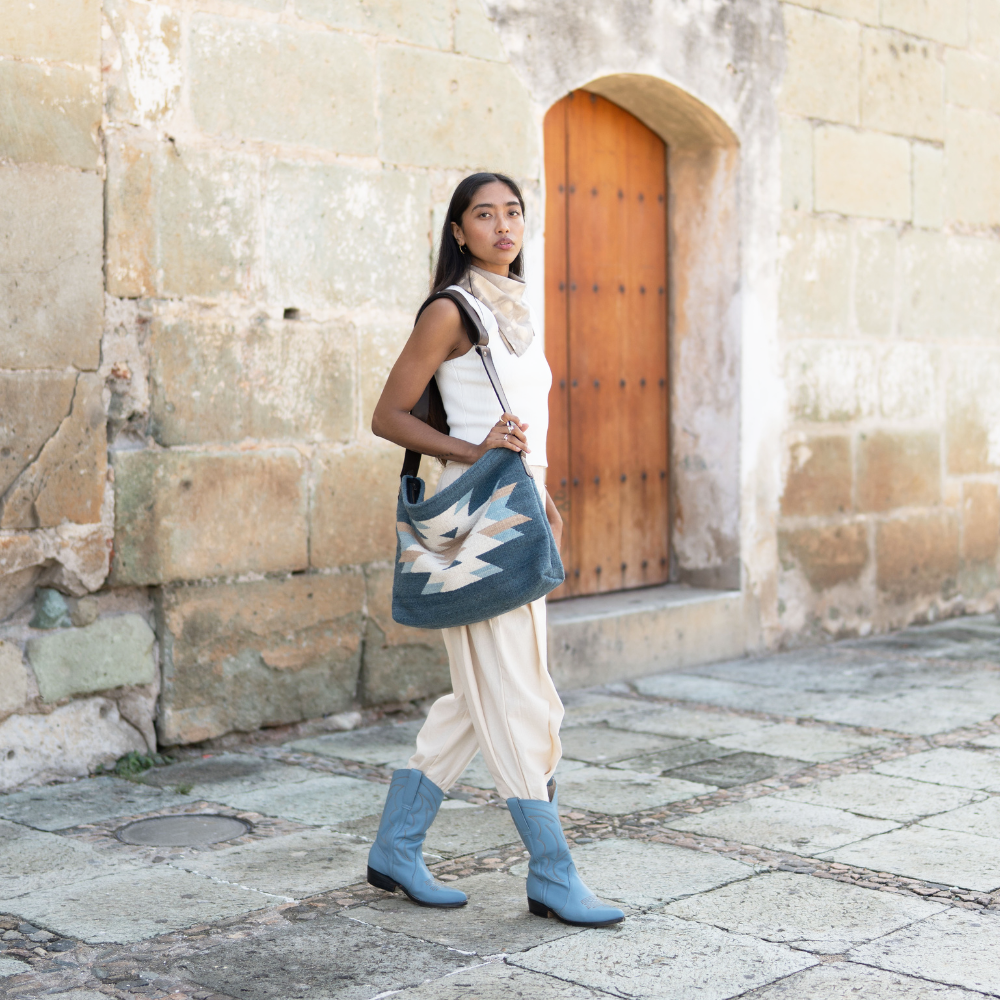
450, 545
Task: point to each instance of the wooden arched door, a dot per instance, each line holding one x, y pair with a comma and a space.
606, 340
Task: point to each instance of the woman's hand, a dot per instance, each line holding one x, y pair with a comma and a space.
507, 432
555, 519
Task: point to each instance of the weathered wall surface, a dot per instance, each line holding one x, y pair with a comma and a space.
889, 313
216, 223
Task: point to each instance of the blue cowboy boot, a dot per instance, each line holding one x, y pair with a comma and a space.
554, 887
395, 860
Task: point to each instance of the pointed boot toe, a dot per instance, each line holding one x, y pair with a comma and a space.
554, 885
395, 860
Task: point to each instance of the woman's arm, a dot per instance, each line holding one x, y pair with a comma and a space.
438, 336
555, 519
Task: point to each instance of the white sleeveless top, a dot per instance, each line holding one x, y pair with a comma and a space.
469, 401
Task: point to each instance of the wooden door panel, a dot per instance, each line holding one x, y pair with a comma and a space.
606, 339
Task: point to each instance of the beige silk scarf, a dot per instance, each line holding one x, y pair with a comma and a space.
505, 298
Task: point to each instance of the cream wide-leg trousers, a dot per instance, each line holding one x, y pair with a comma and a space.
503, 701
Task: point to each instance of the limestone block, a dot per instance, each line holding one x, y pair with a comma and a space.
984, 27
821, 78
875, 252
13, 679
238, 656
972, 167
279, 84
815, 275
831, 381
108, 654
902, 85
862, 173
475, 34
898, 470
381, 342
33, 405
345, 236
400, 663
826, 556
224, 380
68, 742
796, 164
66, 478
440, 110
354, 506
51, 284
144, 75
189, 515
948, 286
942, 20
908, 382
50, 115
17, 587
973, 82
206, 221
928, 186
865, 11
130, 238
819, 477
917, 556
60, 32
423, 22
980, 522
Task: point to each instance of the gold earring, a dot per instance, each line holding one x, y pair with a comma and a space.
461, 249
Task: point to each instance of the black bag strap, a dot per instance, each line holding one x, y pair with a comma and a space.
480, 341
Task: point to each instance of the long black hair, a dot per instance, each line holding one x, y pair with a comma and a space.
452, 264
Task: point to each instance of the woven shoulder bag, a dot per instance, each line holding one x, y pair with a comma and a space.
482, 546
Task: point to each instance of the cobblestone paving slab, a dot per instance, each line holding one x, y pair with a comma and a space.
667, 760
676, 720
57, 807
654, 956
840, 980
456, 832
221, 775
950, 766
322, 801
946, 857
330, 956
737, 768
499, 981
784, 826
645, 874
298, 865
957, 947
825, 917
619, 792
384, 745
31, 860
884, 797
729, 694
495, 920
813, 743
600, 745
12, 967
477, 775
133, 905
981, 818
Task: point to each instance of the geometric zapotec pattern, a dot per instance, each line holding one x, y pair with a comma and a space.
450, 545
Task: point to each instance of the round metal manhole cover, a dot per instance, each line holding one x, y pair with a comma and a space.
183, 831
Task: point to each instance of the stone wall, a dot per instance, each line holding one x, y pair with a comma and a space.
890, 313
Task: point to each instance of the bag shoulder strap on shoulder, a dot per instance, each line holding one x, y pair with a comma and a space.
480, 341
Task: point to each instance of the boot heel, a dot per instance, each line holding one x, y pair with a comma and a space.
381, 881
538, 909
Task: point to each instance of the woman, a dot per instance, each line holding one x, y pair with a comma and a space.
503, 701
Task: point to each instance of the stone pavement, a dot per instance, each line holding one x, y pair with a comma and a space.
816, 824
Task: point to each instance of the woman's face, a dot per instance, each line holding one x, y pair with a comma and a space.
492, 228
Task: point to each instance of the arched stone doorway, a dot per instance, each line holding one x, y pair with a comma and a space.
606, 340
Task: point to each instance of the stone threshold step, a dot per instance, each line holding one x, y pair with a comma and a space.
634, 633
